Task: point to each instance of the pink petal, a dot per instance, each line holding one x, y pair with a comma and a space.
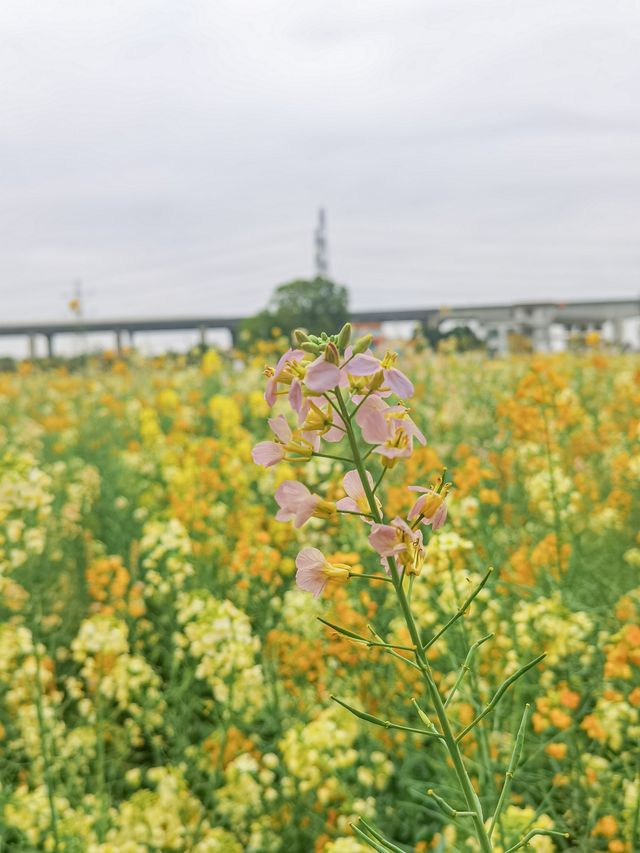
411, 429
401, 524
285, 515
289, 494
347, 504
414, 512
290, 355
393, 452
280, 428
270, 394
267, 453
372, 422
321, 375
398, 382
353, 484
305, 510
295, 396
439, 517
313, 438
384, 539
310, 558
310, 576
311, 581
334, 434
363, 365
337, 432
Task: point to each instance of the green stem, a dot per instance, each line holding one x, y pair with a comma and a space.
470, 796
385, 724
466, 666
379, 480
549, 833
337, 458
371, 577
513, 764
44, 746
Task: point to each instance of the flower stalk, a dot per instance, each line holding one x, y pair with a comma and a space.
327, 370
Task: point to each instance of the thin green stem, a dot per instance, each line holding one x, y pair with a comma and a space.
513, 764
379, 480
371, 577
330, 456
385, 724
461, 610
549, 833
353, 512
470, 796
500, 693
466, 667
44, 747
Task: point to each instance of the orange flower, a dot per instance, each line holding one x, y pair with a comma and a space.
607, 826
556, 750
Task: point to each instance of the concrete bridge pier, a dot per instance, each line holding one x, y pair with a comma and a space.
49, 338
618, 332
119, 342
32, 347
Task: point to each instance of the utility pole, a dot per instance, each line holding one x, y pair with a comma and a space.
76, 306
321, 244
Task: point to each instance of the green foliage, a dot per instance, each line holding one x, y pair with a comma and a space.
311, 304
465, 338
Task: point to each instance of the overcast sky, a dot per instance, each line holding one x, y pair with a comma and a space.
172, 155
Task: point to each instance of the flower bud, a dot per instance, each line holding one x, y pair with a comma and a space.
300, 336
344, 337
362, 344
331, 354
307, 346
377, 381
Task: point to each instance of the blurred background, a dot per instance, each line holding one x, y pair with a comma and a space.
170, 160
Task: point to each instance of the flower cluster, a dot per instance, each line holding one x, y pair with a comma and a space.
338, 393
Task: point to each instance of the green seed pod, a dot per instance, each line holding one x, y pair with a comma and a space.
331, 354
362, 344
344, 337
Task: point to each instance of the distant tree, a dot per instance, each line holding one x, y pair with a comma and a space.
316, 305
465, 338
260, 327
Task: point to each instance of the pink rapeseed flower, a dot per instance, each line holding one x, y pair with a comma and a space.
366, 364
388, 427
431, 505
356, 500
298, 504
397, 540
314, 571
322, 375
288, 371
268, 453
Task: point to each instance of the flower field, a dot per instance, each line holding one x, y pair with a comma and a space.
166, 686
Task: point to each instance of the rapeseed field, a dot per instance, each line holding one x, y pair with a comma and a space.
166, 685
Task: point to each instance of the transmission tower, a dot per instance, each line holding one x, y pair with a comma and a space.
321, 246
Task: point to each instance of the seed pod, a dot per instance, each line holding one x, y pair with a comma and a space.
362, 344
344, 337
331, 354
